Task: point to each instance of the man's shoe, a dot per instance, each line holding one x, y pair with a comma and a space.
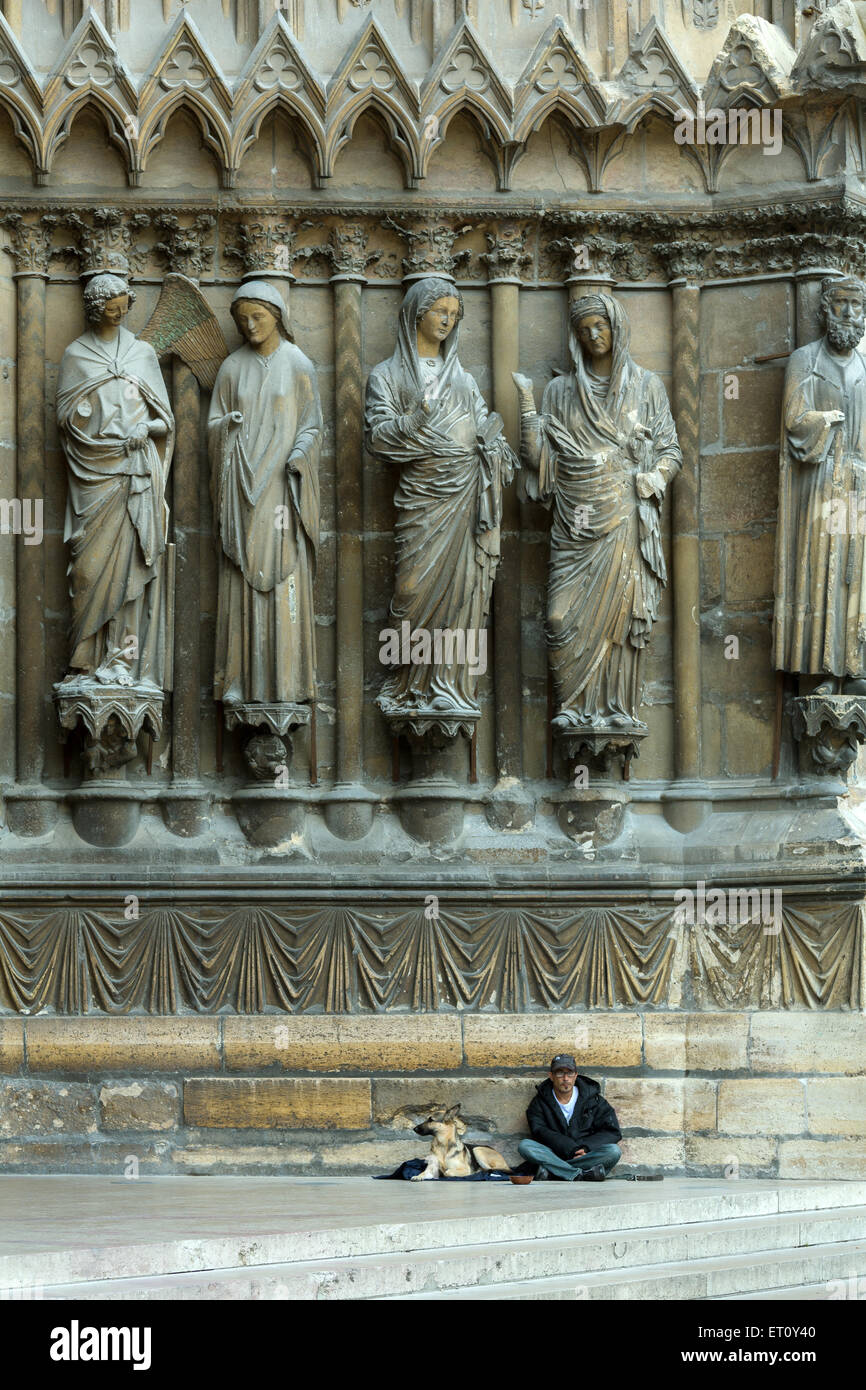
596, 1174
542, 1175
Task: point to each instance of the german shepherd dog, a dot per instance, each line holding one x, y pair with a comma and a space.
449, 1157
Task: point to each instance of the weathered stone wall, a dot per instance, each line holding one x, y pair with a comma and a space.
761, 1095
291, 1005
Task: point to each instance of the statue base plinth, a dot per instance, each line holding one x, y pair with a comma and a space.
596, 747
431, 810
832, 728
508, 807
185, 809
270, 816
268, 750
429, 730
591, 816
113, 716
349, 811
30, 810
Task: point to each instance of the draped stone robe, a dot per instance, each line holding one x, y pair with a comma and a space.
820, 612
607, 568
116, 513
448, 505
267, 518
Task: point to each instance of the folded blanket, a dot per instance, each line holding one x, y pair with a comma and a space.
413, 1166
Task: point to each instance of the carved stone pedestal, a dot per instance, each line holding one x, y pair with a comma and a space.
832, 727
186, 809
508, 807
104, 810
268, 811
431, 807
349, 811
595, 804
596, 749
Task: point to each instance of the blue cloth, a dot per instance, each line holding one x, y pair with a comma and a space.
413, 1166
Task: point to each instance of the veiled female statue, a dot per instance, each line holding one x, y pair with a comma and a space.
602, 451
117, 432
265, 437
425, 413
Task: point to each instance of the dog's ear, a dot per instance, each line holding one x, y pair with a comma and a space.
460, 1126
453, 1112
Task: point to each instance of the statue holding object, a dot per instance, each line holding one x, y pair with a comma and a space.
601, 453
117, 433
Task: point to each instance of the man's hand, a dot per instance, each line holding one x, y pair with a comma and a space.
578, 1152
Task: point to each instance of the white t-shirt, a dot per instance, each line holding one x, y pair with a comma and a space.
567, 1108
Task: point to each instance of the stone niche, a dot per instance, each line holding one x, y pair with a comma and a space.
219, 973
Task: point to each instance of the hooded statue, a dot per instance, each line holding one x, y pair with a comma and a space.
602, 451
265, 437
428, 416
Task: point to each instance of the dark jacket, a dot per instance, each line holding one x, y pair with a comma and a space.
593, 1121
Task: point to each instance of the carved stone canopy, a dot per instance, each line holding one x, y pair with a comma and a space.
833, 727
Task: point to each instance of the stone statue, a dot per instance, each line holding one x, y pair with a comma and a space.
265, 437
427, 415
602, 451
820, 613
117, 432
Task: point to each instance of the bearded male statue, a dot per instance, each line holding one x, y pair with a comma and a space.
820, 616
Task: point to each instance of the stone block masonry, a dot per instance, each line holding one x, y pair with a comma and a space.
702, 1094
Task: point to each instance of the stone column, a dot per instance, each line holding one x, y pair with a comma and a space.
685, 264
185, 808
349, 810
505, 258
30, 808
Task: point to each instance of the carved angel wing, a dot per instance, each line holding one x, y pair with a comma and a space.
183, 325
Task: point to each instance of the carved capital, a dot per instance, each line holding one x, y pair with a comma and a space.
586, 256
347, 251
684, 259
31, 246
506, 254
187, 248
105, 241
267, 246
431, 247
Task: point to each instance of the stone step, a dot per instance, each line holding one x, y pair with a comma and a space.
420, 1272
82, 1229
729, 1276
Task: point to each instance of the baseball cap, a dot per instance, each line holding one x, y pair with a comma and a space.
565, 1061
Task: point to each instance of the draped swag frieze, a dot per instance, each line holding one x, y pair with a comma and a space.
336, 959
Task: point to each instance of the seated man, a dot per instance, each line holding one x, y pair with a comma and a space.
572, 1126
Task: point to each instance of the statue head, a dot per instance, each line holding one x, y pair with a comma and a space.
107, 293
259, 303
437, 306
591, 323
843, 310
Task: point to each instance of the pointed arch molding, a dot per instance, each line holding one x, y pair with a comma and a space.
755, 64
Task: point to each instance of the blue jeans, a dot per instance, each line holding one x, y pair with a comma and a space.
607, 1155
